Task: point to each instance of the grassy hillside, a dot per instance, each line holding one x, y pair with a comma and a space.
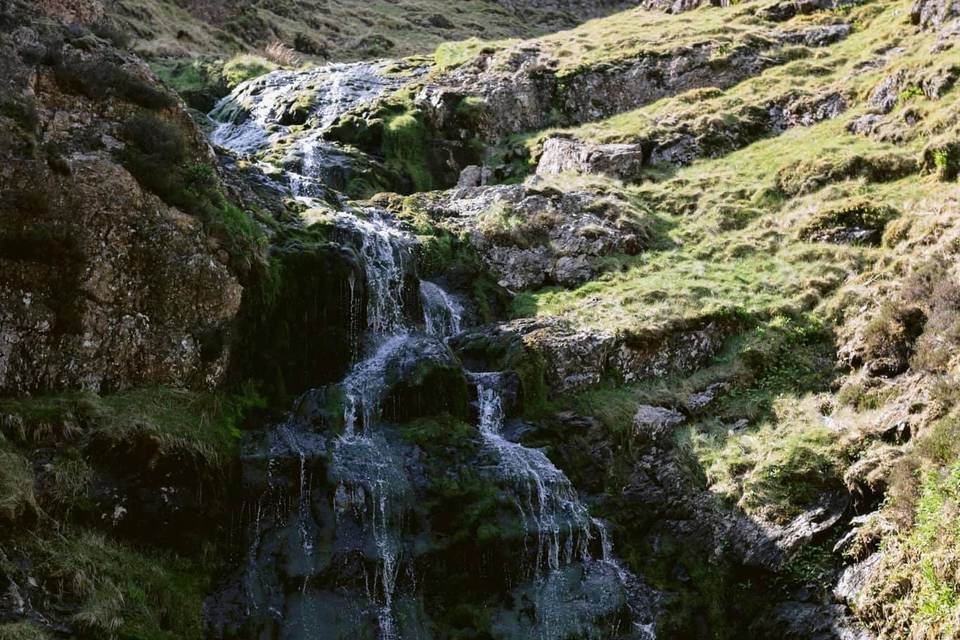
320, 29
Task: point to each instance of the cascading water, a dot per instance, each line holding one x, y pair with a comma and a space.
339, 509
547, 501
259, 114
443, 315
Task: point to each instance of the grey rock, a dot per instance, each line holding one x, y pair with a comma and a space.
655, 424
855, 578
575, 359
559, 238
701, 399
560, 155
934, 14
809, 621
474, 176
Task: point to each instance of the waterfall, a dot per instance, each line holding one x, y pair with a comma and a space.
332, 546
561, 523
443, 315
547, 501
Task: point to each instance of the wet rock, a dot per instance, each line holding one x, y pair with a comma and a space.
307, 332
424, 379
808, 621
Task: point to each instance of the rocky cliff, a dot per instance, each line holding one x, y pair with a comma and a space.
643, 329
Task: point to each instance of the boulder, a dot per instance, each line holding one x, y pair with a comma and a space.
655, 424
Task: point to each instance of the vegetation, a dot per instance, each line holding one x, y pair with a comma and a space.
245, 67
339, 31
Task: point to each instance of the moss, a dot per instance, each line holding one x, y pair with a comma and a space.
441, 431
405, 148
208, 422
454, 54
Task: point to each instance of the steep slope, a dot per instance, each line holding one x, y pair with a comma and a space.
337, 30
649, 326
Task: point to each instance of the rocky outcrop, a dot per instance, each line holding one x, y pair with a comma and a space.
934, 14
623, 161
578, 7
530, 237
681, 139
522, 92
579, 358
103, 284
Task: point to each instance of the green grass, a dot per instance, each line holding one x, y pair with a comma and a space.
345, 30
16, 487
207, 422
122, 592
23, 631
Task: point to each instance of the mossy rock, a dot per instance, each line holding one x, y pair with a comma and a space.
807, 176
856, 221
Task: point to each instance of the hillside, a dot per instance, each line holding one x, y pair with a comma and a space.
321, 30
550, 320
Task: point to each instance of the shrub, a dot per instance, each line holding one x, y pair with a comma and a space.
245, 67
856, 219
889, 337
155, 151
281, 54
98, 79
942, 159
807, 176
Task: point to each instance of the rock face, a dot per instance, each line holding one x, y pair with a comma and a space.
529, 237
577, 359
102, 284
934, 14
108, 288
681, 139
